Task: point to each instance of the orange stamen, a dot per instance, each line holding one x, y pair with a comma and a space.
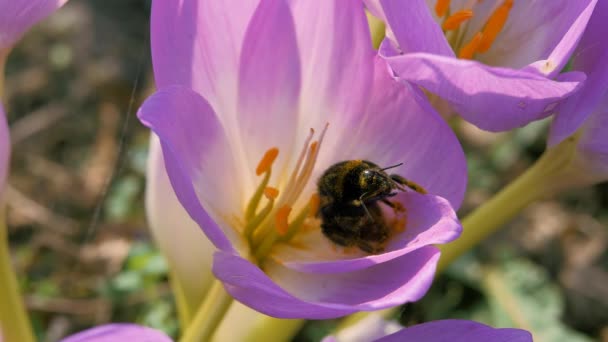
271, 193
494, 25
467, 51
281, 221
454, 21
267, 161
313, 204
441, 7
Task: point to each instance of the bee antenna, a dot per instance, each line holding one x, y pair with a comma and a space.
391, 167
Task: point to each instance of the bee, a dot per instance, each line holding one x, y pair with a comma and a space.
351, 192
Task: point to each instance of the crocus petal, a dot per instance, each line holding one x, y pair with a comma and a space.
337, 64
430, 220
457, 331
554, 33
324, 296
492, 98
119, 332
593, 144
269, 82
197, 156
412, 26
187, 49
590, 57
179, 238
17, 16
5, 150
400, 126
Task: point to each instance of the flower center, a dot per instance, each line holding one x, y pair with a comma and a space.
482, 40
274, 222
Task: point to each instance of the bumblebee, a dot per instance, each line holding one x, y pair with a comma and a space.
351, 192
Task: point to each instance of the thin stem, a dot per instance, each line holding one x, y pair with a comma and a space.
183, 309
274, 329
552, 173
14, 321
209, 315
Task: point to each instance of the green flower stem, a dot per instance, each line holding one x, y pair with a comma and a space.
275, 329
552, 173
209, 315
14, 321
184, 312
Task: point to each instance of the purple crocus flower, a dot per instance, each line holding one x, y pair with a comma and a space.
583, 117
376, 328
119, 332
17, 16
261, 97
5, 149
493, 61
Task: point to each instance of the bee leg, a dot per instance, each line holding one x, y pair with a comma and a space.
402, 181
369, 215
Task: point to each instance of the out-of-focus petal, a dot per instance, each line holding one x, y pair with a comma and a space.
593, 143
412, 26
429, 220
269, 82
180, 239
554, 33
337, 65
372, 327
119, 332
5, 150
17, 16
196, 44
457, 331
321, 296
198, 159
492, 98
590, 57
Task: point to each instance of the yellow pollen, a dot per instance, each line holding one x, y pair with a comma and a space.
267, 161
313, 204
271, 193
441, 7
454, 21
467, 51
281, 222
494, 25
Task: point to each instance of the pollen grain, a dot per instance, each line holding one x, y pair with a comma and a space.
271, 193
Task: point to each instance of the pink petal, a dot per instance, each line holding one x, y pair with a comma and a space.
492, 98
119, 332
290, 294
17, 16
198, 159
5, 152
269, 82
454, 330
187, 49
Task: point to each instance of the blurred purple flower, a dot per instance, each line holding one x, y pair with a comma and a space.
119, 332
493, 61
584, 116
17, 16
451, 330
5, 151
239, 80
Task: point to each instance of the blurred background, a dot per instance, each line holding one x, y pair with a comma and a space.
76, 216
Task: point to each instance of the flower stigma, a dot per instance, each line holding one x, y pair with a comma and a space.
454, 26
274, 222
